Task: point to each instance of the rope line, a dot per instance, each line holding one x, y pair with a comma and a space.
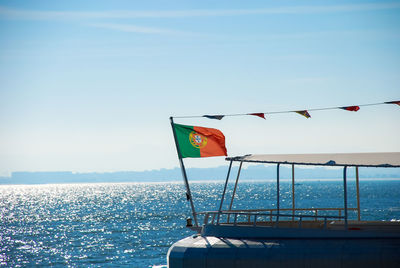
220, 116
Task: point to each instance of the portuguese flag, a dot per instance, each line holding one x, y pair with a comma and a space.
199, 141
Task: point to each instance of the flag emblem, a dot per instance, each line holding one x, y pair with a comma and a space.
197, 140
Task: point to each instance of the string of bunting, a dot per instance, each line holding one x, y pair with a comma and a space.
305, 113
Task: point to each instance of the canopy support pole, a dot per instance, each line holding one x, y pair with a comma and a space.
345, 195
184, 175
293, 202
236, 183
358, 195
277, 192
226, 184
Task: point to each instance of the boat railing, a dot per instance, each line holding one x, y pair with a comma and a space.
271, 217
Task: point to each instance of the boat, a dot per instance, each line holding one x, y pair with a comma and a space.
291, 237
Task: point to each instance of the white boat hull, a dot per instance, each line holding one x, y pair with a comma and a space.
233, 246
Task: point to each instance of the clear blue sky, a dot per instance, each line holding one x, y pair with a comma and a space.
90, 85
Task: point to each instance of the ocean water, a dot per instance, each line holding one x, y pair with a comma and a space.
134, 224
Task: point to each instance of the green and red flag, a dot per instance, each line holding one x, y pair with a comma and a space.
199, 141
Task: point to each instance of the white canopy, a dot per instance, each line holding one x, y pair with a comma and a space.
345, 159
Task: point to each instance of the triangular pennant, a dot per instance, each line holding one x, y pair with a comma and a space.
258, 114
218, 117
351, 108
304, 113
393, 102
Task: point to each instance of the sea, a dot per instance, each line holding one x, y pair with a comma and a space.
134, 224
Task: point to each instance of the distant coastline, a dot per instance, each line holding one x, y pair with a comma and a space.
255, 173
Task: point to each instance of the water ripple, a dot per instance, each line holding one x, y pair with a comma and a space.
134, 224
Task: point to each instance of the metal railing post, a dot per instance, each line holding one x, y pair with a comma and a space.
358, 195
223, 193
234, 189
226, 184
236, 183
277, 191
345, 195
293, 203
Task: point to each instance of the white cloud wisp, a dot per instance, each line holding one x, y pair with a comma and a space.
10, 13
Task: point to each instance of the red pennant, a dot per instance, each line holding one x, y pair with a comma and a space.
304, 113
393, 102
258, 114
351, 108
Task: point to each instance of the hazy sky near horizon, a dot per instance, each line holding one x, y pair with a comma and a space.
90, 85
